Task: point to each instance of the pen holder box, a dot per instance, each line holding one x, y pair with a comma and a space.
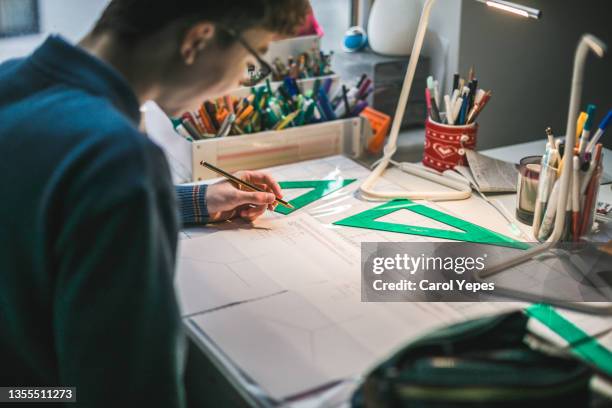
272, 148
445, 145
276, 147
256, 150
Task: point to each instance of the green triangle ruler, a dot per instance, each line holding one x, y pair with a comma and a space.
580, 343
320, 188
469, 232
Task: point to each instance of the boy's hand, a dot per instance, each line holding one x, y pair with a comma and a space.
225, 200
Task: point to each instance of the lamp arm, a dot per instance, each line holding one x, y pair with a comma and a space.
587, 43
391, 146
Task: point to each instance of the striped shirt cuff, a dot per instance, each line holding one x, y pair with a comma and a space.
192, 204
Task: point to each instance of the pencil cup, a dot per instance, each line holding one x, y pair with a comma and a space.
445, 145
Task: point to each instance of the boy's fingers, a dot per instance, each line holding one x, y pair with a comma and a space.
261, 177
257, 198
252, 213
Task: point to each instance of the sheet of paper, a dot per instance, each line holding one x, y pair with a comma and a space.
247, 262
282, 299
176, 149
492, 175
304, 339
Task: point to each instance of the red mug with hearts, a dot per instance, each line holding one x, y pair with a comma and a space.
445, 145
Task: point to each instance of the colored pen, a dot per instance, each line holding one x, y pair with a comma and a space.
242, 183
576, 198
590, 192
327, 83
435, 112
364, 87
244, 115
430, 83
454, 97
580, 124
456, 110
436, 93
346, 101
323, 102
600, 131
549, 215
212, 114
184, 132
473, 85
586, 178
447, 108
462, 111
586, 130
478, 107
551, 137
359, 107
537, 214
286, 120
361, 79
226, 126
479, 95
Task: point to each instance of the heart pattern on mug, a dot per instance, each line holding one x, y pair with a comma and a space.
444, 150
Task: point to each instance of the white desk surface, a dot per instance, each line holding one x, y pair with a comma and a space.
241, 330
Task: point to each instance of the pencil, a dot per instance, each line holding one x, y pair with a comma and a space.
242, 182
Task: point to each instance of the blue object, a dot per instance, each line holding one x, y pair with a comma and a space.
590, 113
355, 39
289, 86
323, 102
327, 83
604, 123
462, 111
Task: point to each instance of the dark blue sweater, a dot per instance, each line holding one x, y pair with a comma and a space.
88, 229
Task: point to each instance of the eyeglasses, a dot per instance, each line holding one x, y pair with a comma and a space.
255, 76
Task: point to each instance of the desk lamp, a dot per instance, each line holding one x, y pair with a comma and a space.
462, 190
587, 43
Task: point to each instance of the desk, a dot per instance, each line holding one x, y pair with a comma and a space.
301, 325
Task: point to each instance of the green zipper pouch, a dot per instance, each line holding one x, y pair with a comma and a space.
477, 363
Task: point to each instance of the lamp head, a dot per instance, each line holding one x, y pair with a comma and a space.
595, 44
514, 8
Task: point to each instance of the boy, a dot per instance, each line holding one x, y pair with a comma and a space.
88, 215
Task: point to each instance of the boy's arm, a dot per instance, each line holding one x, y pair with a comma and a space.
192, 203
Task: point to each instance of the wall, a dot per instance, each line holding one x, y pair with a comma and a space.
334, 17
441, 43
528, 66
71, 18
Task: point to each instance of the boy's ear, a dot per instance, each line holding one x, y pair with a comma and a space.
195, 40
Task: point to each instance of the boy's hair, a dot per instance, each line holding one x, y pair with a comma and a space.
135, 20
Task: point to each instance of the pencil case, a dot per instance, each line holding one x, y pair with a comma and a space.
445, 145
477, 363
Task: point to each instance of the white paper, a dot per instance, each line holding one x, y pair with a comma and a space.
177, 150
489, 174
282, 298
